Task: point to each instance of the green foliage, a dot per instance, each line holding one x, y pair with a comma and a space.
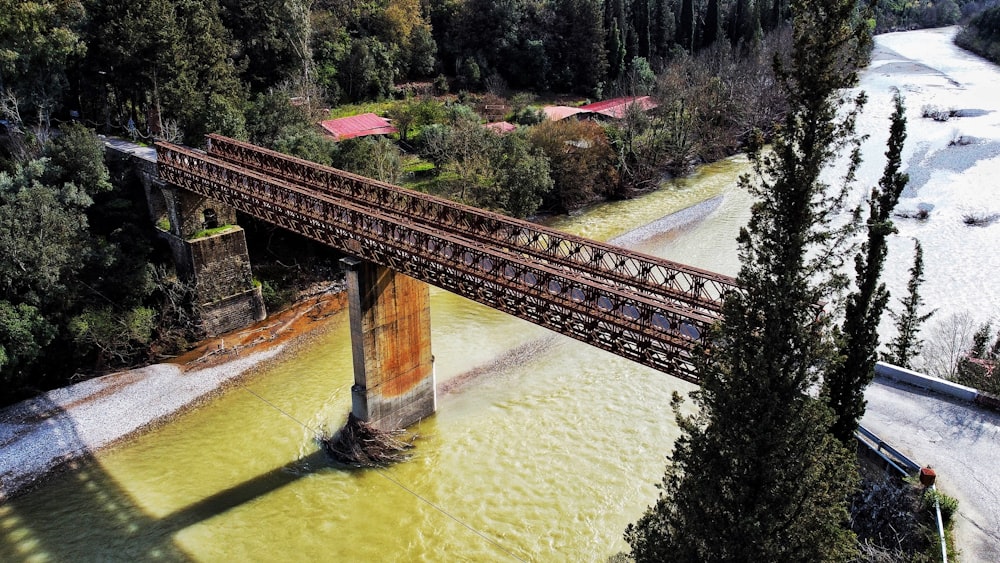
581, 160
112, 334
166, 68
213, 231
43, 235
906, 345
755, 476
273, 38
24, 334
374, 157
982, 35
411, 113
949, 505
69, 253
39, 41
845, 385
77, 157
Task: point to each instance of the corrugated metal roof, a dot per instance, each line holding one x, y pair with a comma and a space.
358, 126
616, 107
555, 113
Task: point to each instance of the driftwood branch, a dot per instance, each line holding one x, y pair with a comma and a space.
360, 444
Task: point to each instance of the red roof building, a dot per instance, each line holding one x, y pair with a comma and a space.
555, 113
501, 127
617, 107
358, 126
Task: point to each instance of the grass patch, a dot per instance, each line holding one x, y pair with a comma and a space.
359, 108
443, 184
209, 232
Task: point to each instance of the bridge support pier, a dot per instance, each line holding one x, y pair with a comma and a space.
391, 346
210, 251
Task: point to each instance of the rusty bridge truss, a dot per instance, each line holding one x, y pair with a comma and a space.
643, 308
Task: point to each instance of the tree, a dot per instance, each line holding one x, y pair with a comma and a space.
24, 333
117, 335
577, 49
43, 231
581, 161
374, 157
519, 177
616, 51
755, 476
907, 344
844, 387
77, 157
685, 29
38, 42
269, 35
713, 24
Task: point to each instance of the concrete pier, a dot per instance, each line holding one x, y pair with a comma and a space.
391, 345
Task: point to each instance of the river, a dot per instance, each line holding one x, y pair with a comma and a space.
543, 448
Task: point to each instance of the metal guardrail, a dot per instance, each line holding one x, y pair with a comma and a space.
906, 467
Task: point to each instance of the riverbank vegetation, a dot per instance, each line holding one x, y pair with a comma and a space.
982, 35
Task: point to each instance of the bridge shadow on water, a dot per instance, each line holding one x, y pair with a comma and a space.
82, 513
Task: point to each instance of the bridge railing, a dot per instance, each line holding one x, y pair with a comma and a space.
697, 288
636, 326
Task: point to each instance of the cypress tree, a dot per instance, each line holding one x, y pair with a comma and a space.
755, 475
685, 30
844, 386
616, 51
641, 25
907, 344
711, 31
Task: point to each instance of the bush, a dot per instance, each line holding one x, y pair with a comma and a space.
979, 218
949, 505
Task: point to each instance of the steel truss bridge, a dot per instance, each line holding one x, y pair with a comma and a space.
643, 308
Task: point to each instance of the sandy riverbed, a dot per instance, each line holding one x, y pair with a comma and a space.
41, 435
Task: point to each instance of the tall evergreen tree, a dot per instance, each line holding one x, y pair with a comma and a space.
907, 343
844, 387
712, 23
616, 51
640, 23
686, 28
662, 31
755, 475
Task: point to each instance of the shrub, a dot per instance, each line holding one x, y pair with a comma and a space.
979, 218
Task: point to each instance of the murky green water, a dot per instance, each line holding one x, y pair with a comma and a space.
543, 449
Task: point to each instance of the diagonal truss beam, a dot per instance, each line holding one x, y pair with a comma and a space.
699, 290
645, 328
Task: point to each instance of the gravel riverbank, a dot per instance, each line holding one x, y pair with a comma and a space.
40, 435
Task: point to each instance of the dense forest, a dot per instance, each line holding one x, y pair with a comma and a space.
982, 35
82, 286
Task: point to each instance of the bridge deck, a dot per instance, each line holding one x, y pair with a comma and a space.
685, 285
644, 319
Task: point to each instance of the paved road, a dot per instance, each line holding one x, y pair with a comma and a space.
961, 442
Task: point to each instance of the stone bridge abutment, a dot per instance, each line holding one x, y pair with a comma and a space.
208, 247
